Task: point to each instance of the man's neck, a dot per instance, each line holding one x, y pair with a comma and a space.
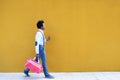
40, 29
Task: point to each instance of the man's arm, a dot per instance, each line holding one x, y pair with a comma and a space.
37, 39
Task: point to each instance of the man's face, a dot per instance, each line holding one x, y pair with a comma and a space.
43, 27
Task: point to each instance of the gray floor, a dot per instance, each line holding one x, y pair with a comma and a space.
64, 76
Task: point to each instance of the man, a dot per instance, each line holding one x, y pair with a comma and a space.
40, 51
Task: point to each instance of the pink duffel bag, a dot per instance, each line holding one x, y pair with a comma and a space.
34, 66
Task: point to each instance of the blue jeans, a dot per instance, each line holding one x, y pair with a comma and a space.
42, 56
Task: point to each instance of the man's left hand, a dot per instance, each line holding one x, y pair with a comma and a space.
48, 38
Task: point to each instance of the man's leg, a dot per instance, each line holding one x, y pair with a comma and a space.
26, 72
42, 54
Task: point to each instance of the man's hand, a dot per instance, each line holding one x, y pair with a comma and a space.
37, 55
48, 38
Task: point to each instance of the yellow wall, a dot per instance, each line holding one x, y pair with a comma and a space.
85, 34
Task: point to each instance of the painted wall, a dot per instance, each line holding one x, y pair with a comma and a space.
85, 34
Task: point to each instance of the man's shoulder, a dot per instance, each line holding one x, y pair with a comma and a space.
38, 33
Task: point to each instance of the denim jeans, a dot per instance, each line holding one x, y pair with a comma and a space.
42, 56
